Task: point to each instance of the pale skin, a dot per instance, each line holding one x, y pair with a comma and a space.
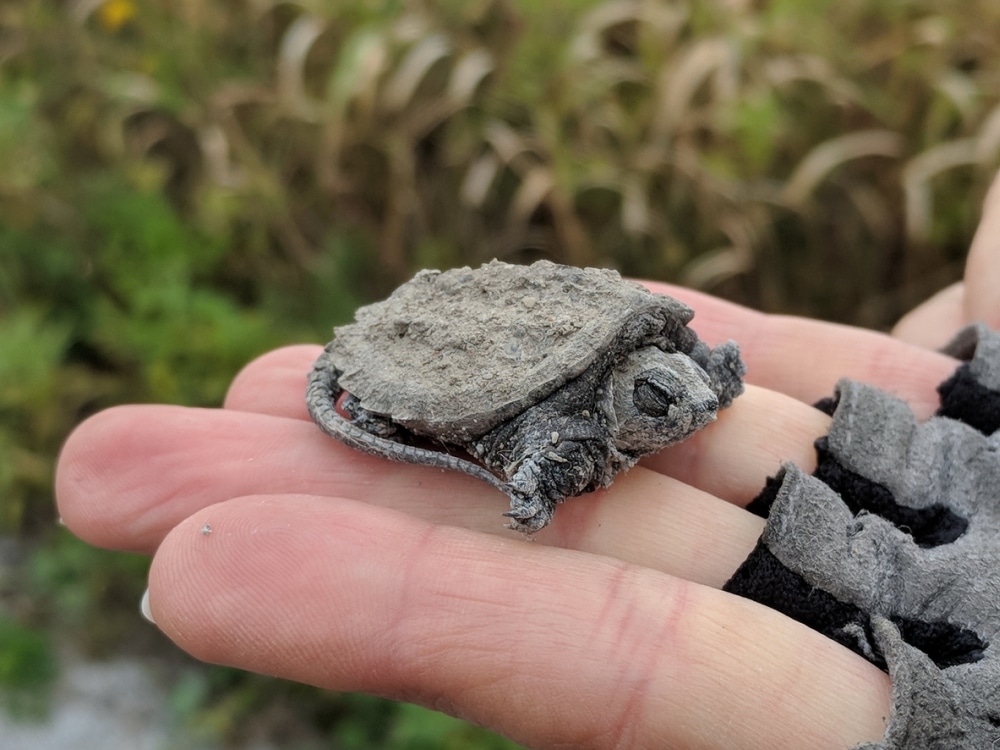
278, 550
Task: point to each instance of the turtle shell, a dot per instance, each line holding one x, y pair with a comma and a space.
453, 354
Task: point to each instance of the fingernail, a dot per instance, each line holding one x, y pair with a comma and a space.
144, 607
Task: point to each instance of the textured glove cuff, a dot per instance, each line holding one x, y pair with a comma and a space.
892, 548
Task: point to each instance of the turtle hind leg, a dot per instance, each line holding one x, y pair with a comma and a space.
365, 435
370, 422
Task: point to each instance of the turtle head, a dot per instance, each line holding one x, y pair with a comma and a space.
660, 398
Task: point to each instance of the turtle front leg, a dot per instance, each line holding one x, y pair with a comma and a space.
530, 515
553, 471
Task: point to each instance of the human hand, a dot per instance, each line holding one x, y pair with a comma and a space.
280, 551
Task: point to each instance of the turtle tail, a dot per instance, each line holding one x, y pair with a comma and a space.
323, 391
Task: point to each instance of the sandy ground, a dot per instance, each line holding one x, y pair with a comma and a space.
108, 705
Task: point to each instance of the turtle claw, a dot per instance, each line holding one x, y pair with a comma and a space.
529, 517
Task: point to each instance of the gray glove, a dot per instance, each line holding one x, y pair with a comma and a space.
892, 547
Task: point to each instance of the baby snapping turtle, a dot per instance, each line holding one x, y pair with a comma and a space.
553, 378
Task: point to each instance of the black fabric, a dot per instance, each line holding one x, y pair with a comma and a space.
763, 578
827, 405
761, 505
947, 645
967, 400
929, 527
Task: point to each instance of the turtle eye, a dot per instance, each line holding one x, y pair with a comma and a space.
653, 397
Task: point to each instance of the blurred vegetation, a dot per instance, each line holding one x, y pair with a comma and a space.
187, 183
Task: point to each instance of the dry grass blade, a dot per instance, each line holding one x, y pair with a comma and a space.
787, 69
217, 153
874, 210
716, 266
535, 187
479, 178
680, 83
635, 205
962, 92
295, 45
917, 176
350, 103
510, 146
133, 88
421, 114
832, 153
81, 10
664, 21
401, 87
361, 63
586, 44
468, 74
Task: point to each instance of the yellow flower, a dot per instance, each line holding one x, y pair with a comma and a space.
113, 14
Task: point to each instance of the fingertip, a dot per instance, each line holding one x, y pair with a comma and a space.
931, 324
128, 474
982, 269
274, 383
84, 477
271, 583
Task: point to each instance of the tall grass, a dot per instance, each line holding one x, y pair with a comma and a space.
187, 183
716, 143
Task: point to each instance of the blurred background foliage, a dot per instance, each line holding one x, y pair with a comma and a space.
188, 183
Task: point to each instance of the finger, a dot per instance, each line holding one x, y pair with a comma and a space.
934, 322
750, 441
731, 459
274, 383
550, 647
805, 358
129, 475
982, 269
798, 357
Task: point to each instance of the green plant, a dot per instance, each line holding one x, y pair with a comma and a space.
27, 669
188, 184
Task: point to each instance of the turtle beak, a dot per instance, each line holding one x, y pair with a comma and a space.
662, 401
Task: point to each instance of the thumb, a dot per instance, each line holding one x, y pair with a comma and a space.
982, 270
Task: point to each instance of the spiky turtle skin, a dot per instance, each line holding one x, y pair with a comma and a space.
545, 380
